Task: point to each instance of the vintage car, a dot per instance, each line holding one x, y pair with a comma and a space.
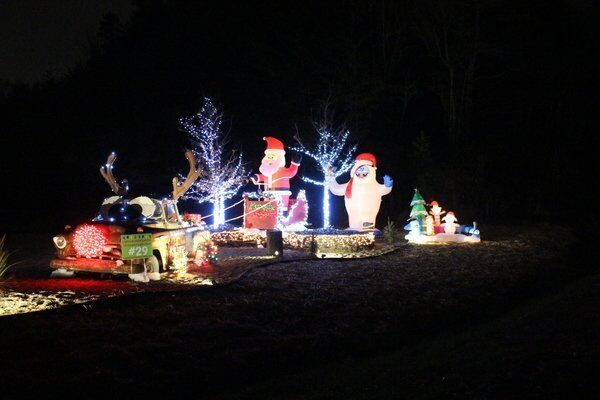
96, 246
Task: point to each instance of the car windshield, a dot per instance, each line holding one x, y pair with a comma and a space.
120, 211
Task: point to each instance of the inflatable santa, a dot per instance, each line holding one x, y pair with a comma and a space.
362, 193
273, 173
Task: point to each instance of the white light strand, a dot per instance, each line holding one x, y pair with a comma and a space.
333, 156
223, 175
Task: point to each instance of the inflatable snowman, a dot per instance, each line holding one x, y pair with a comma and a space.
450, 224
362, 194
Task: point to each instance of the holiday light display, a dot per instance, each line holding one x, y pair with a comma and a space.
429, 225
223, 174
329, 243
333, 156
162, 237
179, 257
274, 175
207, 252
437, 212
89, 241
450, 224
297, 217
239, 237
362, 193
425, 227
314, 241
418, 211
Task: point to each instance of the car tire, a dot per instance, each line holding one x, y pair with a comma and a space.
162, 267
152, 266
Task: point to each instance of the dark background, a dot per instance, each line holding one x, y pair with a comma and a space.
481, 105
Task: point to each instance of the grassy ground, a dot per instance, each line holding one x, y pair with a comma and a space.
514, 317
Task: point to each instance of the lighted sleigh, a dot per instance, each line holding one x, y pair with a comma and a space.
264, 211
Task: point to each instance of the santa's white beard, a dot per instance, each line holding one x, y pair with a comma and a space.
364, 204
269, 169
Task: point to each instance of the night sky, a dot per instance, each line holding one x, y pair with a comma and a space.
482, 105
38, 37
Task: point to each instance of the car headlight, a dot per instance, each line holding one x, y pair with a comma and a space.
60, 242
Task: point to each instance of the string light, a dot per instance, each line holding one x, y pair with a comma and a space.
88, 241
307, 240
223, 175
333, 156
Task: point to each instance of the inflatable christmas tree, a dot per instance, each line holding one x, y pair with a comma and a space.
418, 211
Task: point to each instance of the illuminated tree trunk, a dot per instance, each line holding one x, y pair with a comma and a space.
326, 223
218, 211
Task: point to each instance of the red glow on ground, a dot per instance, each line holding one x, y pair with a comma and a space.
77, 285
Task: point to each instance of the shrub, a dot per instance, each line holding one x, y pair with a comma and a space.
391, 233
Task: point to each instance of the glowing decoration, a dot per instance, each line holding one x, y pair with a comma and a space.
266, 212
414, 227
239, 237
273, 173
450, 224
179, 257
333, 156
429, 228
223, 175
437, 212
88, 241
329, 243
314, 241
362, 194
297, 217
447, 232
418, 211
107, 173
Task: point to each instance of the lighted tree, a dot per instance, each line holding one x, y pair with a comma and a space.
332, 153
418, 211
223, 171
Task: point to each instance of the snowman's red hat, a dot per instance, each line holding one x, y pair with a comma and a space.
274, 145
360, 160
365, 158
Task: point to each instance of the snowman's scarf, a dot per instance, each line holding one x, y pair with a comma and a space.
352, 172
349, 189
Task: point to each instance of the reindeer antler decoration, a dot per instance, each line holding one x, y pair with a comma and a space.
106, 172
193, 174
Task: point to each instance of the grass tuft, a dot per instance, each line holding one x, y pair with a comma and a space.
4, 254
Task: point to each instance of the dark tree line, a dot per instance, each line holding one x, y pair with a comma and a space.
478, 103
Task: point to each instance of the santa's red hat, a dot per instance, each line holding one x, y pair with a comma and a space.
274, 144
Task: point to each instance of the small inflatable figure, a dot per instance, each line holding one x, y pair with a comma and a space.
415, 227
450, 224
437, 212
429, 225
